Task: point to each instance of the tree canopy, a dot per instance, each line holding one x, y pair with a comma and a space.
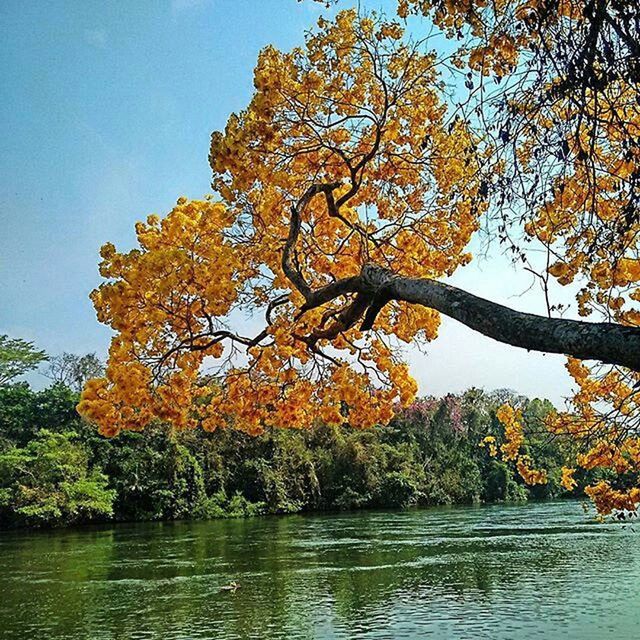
17, 357
351, 184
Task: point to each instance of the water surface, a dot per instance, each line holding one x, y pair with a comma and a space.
541, 570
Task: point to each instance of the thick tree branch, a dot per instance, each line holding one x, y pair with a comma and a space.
607, 342
604, 341
295, 224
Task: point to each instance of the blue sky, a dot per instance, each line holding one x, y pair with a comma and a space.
106, 113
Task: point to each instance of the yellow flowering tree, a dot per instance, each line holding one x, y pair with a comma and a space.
566, 125
348, 187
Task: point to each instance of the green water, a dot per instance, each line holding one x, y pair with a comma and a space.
529, 571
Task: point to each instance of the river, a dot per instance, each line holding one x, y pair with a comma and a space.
542, 570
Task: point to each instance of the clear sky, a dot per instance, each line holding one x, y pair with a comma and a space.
106, 113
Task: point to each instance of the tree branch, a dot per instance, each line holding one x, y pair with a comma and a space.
293, 273
607, 342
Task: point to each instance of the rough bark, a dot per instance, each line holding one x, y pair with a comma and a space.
607, 342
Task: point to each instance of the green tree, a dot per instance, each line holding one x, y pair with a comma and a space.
17, 357
50, 481
24, 412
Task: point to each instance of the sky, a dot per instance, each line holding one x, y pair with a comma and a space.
105, 117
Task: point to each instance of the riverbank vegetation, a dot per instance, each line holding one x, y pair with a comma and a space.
56, 469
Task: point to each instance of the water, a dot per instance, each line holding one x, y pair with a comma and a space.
513, 572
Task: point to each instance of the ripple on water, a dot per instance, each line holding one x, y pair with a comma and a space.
529, 571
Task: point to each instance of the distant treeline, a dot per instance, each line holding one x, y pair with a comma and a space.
55, 469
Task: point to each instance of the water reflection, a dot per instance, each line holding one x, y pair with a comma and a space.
531, 571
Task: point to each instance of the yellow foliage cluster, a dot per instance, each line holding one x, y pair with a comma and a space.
528, 473
511, 420
490, 443
607, 499
512, 448
358, 105
567, 480
496, 22
596, 422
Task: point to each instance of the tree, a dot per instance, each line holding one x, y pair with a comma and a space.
74, 371
17, 357
350, 186
49, 481
565, 126
24, 412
